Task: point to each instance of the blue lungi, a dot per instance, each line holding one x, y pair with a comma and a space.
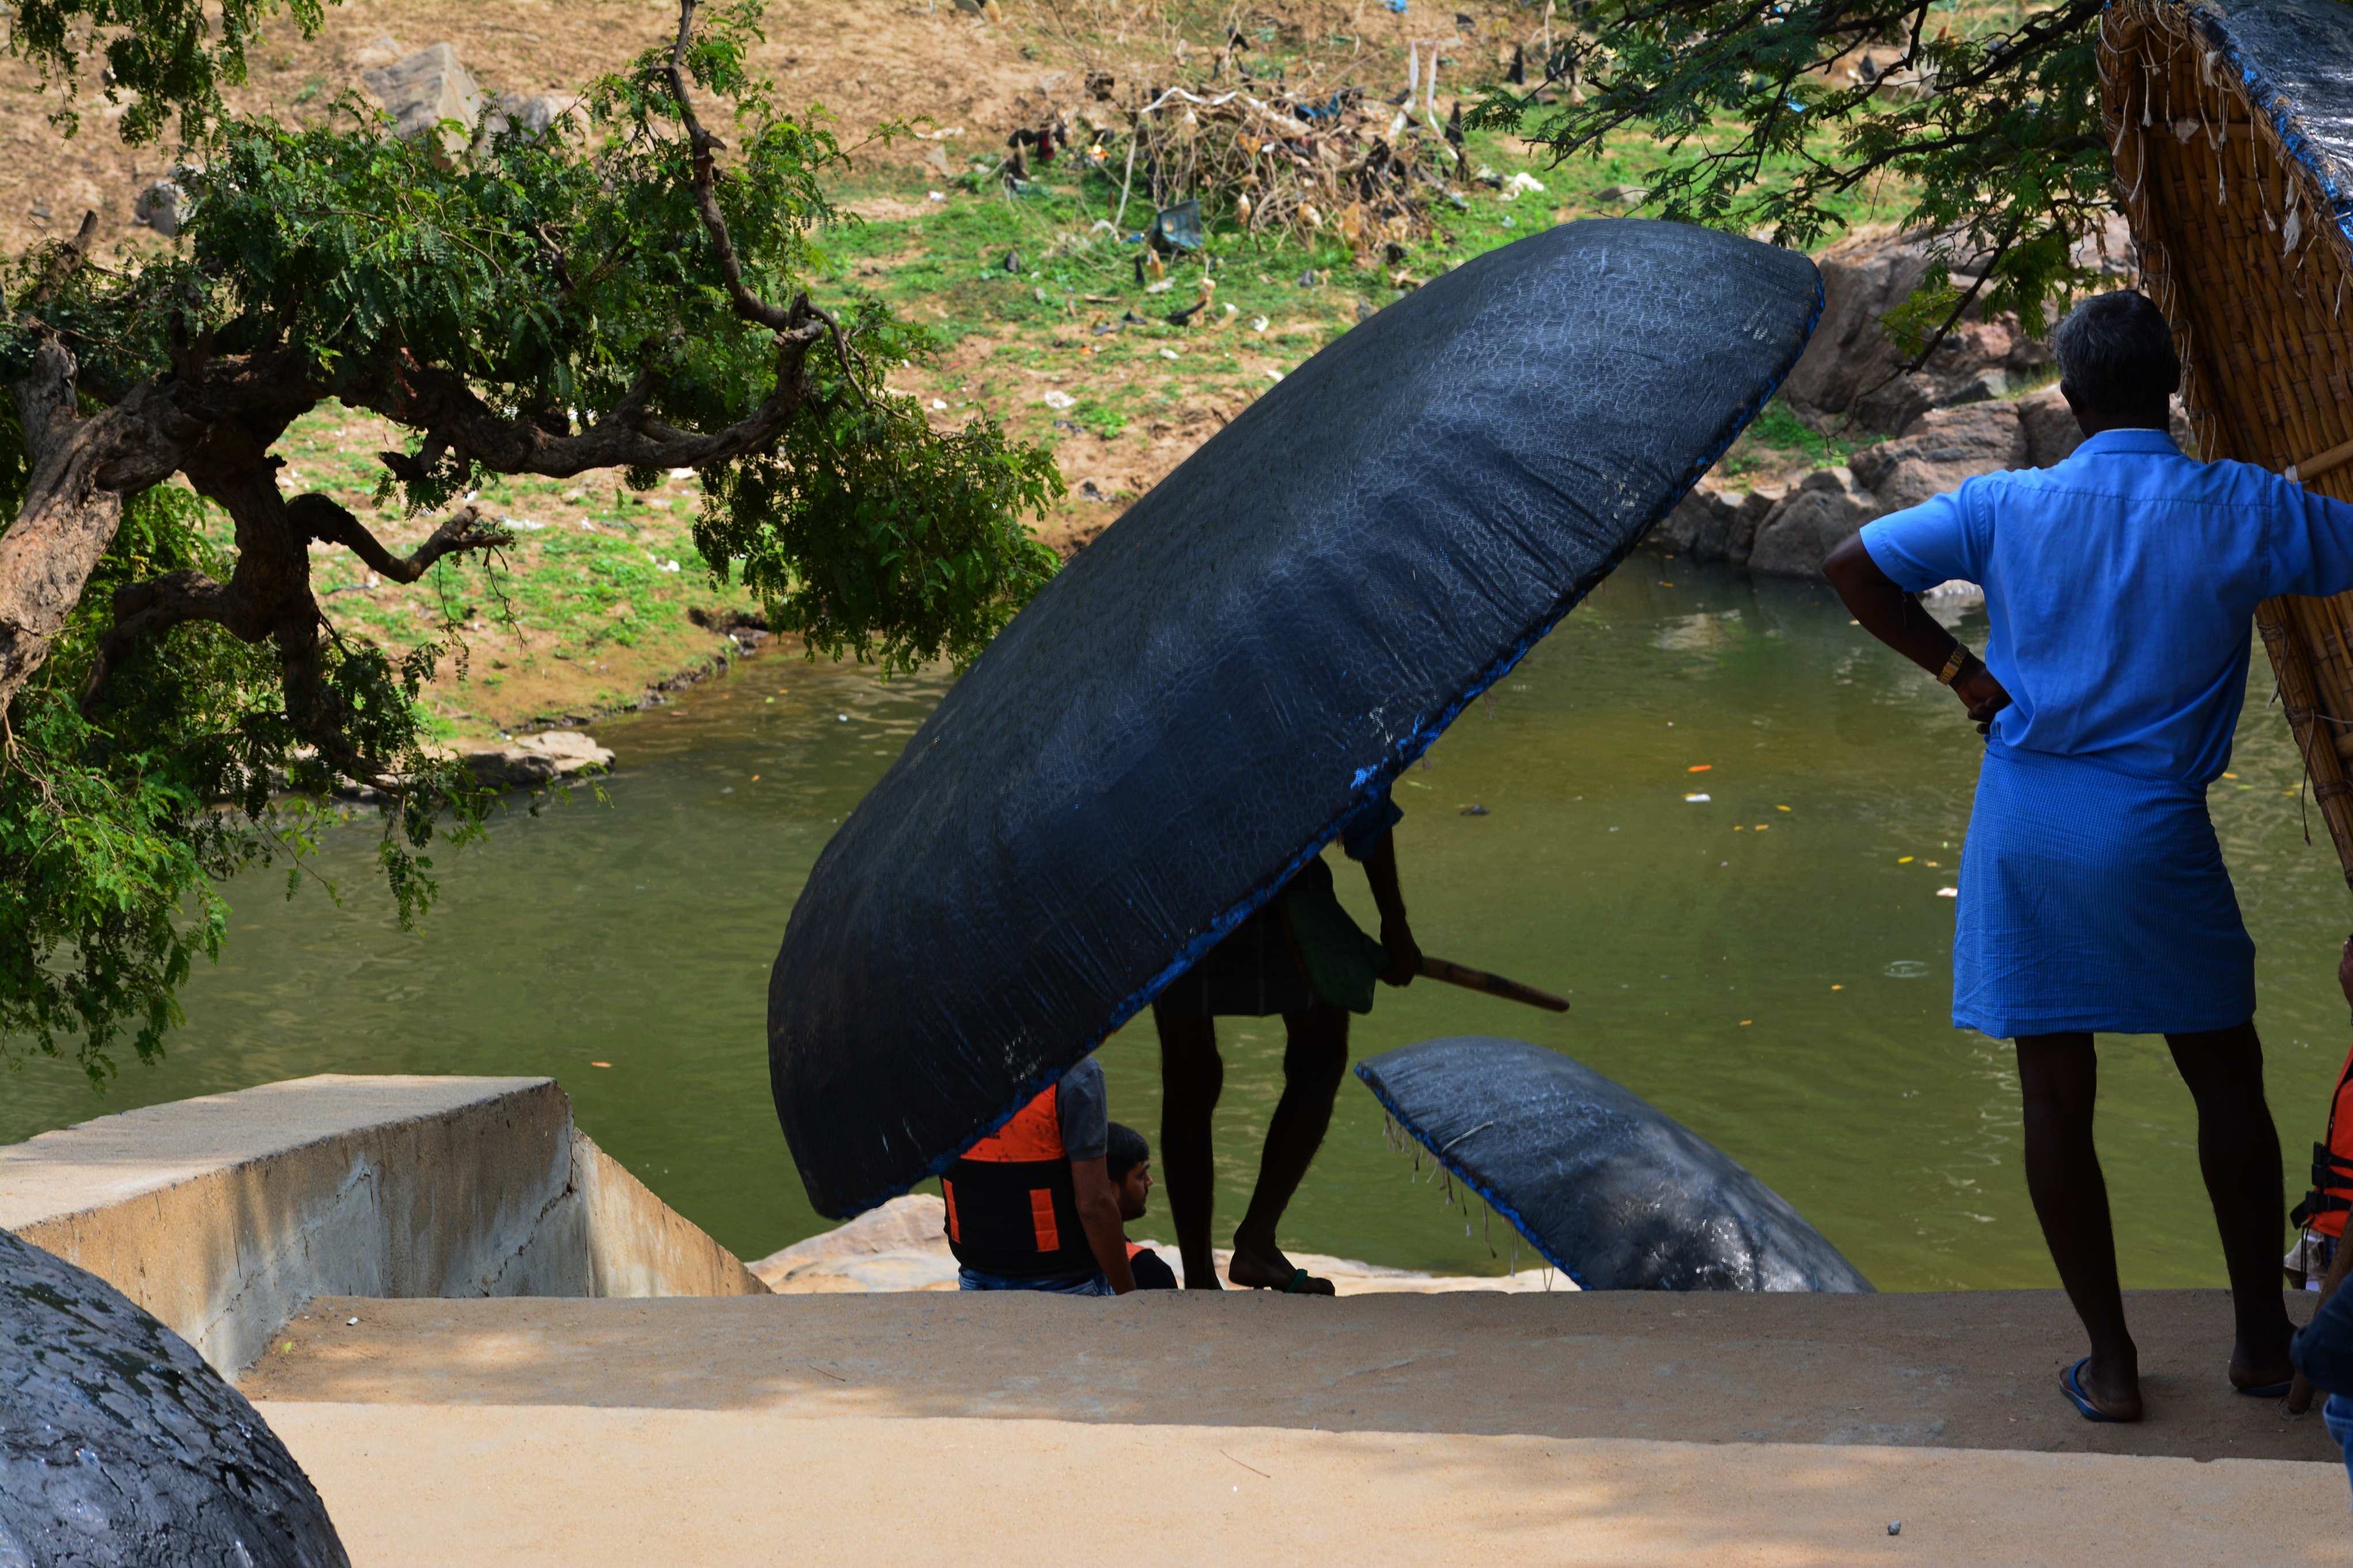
2095, 899
2119, 585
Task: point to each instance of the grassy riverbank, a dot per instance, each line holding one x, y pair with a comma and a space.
1035, 301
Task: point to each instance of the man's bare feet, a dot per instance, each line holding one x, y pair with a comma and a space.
2267, 1371
1266, 1268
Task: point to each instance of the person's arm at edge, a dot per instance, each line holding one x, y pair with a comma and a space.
1099, 1212
1895, 618
1397, 934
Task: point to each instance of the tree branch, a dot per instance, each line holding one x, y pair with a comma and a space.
316, 516
441, 403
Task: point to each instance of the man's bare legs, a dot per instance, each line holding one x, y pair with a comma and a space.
1314, 1058
2239, 1155
1191, 1077
2060, 1076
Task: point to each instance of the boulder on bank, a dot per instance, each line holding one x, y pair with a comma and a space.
1805, 526
1850, 367
531, 760
1940, 449
120, 1446
425, 89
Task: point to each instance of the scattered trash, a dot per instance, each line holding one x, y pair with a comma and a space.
669, 565
1013, 261
1258, 323
1482, 811
1522, 182
1058, 400
1167, 353
1366, 310
1162, 287
1695, 797
1309, 280
609, 1064
937, 405
352, 1323
1067, 425
681, 473
842, 717
937, 195
1949, 892
1177, 228
1133, 320
1895, 1527
1274, 375
1699, 767
1906, 969
1088, 491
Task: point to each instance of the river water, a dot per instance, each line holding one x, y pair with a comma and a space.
1766, 965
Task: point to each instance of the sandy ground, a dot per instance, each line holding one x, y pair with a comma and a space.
1587, 1428
411, 1486
1972, 1369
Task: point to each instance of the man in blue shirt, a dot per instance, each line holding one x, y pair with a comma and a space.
2119, 585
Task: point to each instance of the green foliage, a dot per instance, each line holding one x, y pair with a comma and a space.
1993, 132
161, 55
555, 279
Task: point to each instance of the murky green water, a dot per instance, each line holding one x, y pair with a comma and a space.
1759, 965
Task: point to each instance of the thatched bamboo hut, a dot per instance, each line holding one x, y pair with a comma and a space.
2232, 135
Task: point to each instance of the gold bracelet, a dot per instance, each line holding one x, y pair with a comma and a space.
1954, 666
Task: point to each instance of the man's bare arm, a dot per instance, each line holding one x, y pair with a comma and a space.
1099, 1212
1397, 935
1895, 618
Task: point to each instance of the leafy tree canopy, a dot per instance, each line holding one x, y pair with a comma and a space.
1766, 114
625, 292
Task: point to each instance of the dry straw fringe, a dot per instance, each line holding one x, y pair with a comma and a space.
2264, 366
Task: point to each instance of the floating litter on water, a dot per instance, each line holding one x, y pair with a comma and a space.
1695, 797
600, 1064
1949, 892
1699, 767
1906, 969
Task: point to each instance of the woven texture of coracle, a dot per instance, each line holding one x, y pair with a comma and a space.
2233, 137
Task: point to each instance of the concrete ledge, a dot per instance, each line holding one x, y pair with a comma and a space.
415, 1486
224, 1215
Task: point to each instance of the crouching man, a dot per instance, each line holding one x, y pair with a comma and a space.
1031, 1207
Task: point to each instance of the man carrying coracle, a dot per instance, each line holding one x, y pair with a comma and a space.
2119, 585
1299, 955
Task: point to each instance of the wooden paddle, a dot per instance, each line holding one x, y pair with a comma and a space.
1492, 984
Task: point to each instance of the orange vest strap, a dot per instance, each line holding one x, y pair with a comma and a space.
1034, 1133
947, 1190
1041, 1216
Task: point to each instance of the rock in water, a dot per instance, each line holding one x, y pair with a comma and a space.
1610, 1190
121, 1448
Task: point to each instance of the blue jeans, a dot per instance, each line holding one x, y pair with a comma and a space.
2338, 1414
974, 1280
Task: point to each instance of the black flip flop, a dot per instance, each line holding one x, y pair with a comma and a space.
2269, 1390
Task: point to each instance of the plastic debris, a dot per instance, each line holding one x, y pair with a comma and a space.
1058, 400
1949, 892
1522, 182
937, 195
1695, 797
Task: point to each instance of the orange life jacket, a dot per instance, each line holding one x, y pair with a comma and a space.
1012, 1207
2324, 1207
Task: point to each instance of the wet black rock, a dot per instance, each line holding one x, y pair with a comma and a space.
121, 1448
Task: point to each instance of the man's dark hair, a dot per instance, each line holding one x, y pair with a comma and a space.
2116, 353
1124, 1151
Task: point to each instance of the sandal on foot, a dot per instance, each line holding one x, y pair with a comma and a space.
2070, 1384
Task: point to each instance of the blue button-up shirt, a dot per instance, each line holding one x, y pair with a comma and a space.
2119, 585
